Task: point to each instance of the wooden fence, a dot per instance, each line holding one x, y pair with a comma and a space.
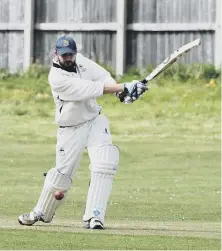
120, 33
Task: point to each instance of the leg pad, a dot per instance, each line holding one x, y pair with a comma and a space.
104, 163
47, 204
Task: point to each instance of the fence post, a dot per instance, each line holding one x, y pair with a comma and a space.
28, 32
120, 37
218, 36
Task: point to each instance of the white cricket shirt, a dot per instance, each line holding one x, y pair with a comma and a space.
75, 93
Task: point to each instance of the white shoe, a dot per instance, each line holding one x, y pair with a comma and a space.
29, 219
93, 223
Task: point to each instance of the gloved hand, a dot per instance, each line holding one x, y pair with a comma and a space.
132, 91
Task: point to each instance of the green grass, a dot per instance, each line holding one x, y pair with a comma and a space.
167, 191
69, 241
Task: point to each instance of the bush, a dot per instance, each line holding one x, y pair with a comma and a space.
4, 74
36, 78
183, 72
176, 72
37, 71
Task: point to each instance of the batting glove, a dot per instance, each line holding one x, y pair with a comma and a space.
132, 91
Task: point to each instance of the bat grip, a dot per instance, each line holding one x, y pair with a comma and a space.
144, 81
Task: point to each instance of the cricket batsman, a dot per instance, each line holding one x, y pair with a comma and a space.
76, 82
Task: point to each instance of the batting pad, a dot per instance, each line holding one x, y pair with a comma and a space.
104, 163
47, 204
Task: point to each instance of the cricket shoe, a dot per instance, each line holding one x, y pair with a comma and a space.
93, 223
29, 219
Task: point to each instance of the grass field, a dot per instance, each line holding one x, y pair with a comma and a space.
166, 195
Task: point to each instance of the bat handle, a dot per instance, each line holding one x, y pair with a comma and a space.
144, 81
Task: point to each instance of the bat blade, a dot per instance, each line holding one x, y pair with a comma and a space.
171, 59
165, 64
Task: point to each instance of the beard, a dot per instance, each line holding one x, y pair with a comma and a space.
67, 64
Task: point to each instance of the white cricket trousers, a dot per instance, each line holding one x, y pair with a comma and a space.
104, 157
71, 142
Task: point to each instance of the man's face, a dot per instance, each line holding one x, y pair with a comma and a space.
67, 59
